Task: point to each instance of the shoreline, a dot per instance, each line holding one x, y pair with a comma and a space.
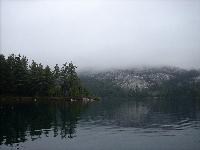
46, 98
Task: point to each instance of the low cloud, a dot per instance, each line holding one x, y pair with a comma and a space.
103, 34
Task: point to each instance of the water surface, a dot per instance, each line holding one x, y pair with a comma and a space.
112, 123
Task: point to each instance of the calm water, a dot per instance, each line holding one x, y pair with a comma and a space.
110, 124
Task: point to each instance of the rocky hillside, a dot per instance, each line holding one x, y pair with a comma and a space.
142, 79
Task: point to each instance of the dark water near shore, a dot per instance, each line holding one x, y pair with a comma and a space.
112, 124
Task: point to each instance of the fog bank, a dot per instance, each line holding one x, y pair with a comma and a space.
103, 34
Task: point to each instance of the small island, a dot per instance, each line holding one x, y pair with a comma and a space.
24, 81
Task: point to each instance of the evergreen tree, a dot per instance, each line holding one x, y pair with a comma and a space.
19, 79
3, 75
33, 78
21, 75
48, 81
10, 81
56, 90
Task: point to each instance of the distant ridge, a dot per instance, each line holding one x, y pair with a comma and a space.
144, 79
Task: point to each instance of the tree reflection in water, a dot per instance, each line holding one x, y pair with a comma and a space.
26, 121
20, 121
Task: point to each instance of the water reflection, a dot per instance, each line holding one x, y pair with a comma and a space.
172, 113
28, 121
32, 119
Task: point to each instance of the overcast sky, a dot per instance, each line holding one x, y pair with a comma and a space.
103, 33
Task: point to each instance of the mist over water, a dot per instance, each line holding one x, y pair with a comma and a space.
103, 34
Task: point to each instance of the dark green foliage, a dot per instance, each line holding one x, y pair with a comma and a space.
182, 84
17, 78
185, 83
102, 88
14, 75
3, 74
70, 83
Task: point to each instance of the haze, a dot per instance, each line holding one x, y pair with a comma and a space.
103, 33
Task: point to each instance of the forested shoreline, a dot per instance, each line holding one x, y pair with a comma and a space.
18, 77
21, 78
147, 82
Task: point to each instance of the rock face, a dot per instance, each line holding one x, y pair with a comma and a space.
141, 78
137, 82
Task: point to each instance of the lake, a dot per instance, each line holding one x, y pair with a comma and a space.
109, 124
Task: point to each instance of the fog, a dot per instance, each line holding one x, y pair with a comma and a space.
103, 33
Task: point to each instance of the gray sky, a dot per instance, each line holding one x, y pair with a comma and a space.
103, 33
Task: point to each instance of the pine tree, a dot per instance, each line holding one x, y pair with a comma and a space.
10, 85
21, 75
3, 75
19, 79
47, 81
56, 90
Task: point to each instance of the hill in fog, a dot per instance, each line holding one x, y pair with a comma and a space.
153, 81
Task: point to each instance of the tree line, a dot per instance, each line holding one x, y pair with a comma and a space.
18, 77
184, 83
